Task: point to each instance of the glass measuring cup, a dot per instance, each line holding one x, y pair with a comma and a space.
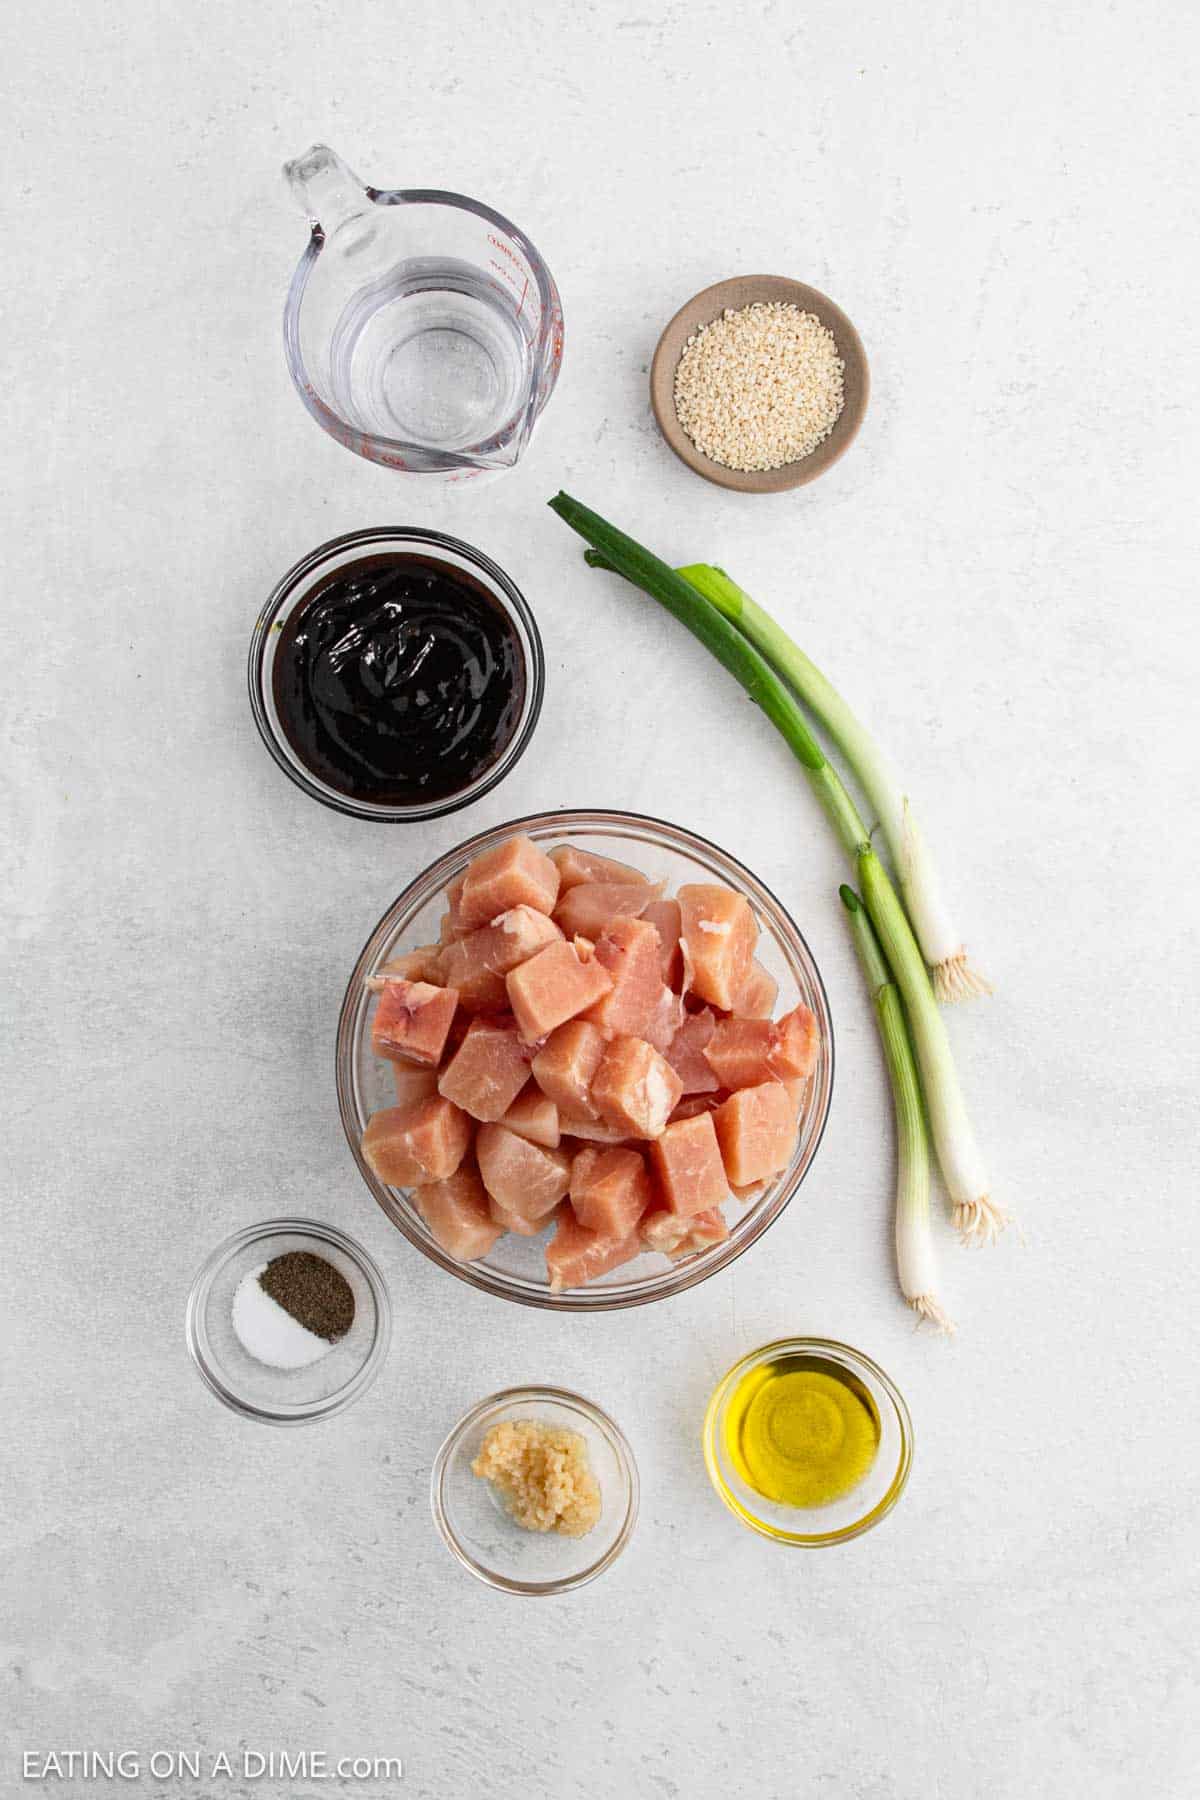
422, 329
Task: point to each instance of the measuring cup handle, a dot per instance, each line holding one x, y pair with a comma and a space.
327, 191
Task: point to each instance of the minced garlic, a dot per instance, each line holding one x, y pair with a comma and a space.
759, 387
542, 1474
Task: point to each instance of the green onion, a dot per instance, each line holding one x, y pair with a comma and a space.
941, 944
915, 1263
976, 1216
658, 579
974, 1213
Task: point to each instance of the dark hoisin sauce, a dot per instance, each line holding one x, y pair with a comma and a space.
399, 680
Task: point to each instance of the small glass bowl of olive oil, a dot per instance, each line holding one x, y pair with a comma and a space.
808, 1441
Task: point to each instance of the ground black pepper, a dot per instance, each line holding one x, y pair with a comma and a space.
316, 1294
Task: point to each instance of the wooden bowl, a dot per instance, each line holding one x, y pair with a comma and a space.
746, 290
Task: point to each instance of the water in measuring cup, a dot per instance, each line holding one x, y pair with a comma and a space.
433, 353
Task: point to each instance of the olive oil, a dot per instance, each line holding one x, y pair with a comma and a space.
801, 1430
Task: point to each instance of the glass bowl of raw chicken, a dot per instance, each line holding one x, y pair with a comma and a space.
585, 1060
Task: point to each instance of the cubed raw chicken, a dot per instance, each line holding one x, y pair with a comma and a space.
409, 1145
514, 873
456, 1212
745, 1052
758, 993
460, 1024
523, 1178
610, 1190
476, 964
756, 1129
738, 1053
511, 1221
692, 1105
575, 1255
412, 1021
794, 1050
575, 866
594, 1131
568, 1008
687, 1162
413, 1082
563, 1068
719, 932
677, 1236
704, 1230
552, 987
685, 1053
587, 910
452, 921
638, 1004
533, 1116
665, 1020
665, 917
635, 1087
487, 1071
421, 964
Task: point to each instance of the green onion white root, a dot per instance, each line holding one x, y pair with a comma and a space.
976, 1216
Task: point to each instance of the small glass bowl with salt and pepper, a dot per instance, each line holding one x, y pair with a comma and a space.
288, 1321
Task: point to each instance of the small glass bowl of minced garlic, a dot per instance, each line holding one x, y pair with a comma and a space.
535, 1491
288, 1321
808, 1442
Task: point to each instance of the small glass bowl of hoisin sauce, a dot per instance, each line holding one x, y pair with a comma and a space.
396, 674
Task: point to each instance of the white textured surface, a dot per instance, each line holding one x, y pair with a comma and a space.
1002, 573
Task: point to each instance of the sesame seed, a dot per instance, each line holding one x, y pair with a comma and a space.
759, 387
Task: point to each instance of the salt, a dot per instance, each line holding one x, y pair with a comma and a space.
268, 1332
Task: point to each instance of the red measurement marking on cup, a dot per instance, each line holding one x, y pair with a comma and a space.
507, 274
